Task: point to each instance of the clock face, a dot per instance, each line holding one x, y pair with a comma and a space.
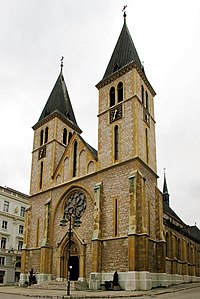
42, 153
116, 113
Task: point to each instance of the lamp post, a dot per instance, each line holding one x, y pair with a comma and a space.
72, 215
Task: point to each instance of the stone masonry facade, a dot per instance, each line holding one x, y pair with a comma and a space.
113, 192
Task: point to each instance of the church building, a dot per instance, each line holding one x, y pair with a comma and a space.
94, 212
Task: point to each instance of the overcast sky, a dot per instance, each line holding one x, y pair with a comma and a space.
35, 34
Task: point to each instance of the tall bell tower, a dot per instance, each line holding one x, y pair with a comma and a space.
127, 149
126, 108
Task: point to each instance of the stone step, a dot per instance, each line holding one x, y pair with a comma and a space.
60, 285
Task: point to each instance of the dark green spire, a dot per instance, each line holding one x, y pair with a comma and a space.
124, 52
165, 191
59, 101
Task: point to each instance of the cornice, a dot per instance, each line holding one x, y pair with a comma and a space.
77, 179
12, 216
123, 71
61, 117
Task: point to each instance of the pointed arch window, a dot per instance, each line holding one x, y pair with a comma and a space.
69, 136
188, 252
112, 96
147, 101
41, 137
41, 174
142, 94
179, 249
75, 154
46, 135
167, 245
116, 143
147, 145
120, 92
65, 136
116, 216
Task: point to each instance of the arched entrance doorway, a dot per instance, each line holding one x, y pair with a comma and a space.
73, 206
74, 267
77, 259
74, 261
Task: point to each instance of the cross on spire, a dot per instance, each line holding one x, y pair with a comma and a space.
124, 10
61, 62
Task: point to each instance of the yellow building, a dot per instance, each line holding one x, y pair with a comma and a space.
111, 194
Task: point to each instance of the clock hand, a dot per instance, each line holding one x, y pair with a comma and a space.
115, 113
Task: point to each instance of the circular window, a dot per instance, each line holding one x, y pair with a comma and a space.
76, 203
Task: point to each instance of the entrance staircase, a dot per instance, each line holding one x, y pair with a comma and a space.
61, 285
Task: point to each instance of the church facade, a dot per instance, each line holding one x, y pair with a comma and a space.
125, 222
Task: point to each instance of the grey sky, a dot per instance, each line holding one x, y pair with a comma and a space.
35, 34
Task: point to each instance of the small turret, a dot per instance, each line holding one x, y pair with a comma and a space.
165, 191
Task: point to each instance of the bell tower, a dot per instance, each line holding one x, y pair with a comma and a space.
52, 134
126, 108
127, 150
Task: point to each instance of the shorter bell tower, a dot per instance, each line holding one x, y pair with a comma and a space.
52, 133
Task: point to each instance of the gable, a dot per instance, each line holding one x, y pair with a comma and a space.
78, 160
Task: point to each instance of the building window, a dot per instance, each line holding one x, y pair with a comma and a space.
167, 244
22, 212
69, 136
115, 217
116, 143
6, 206
41, 137
179, 249
2, 260
75, 159
142, 93
46, 135
147, 147
147, 101
3, 243
120, 92
112, 96
41, 174
21, 229
4, 224
20, 244
65, 136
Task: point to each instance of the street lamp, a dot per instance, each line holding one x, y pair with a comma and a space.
72, 214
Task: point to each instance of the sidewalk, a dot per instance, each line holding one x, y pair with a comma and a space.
31, 292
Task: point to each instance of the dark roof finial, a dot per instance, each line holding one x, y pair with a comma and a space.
124, 10
61, 62
165, 190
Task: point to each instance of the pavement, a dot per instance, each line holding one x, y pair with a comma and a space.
58, 294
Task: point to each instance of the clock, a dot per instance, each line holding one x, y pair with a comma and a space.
42, 153
116, 113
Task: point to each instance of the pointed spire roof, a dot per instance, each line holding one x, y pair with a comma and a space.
124, 52
165, 190
165, 193
59, 101
166, 207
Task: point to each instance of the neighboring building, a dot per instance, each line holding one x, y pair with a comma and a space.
12, 214
113, 191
